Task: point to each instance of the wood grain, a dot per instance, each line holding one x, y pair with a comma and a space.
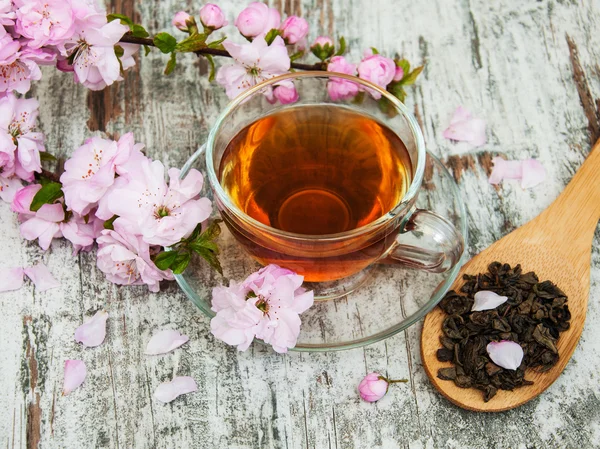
508, 61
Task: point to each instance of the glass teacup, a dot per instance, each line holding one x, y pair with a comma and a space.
336, 263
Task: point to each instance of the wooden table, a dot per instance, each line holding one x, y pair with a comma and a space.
531, 69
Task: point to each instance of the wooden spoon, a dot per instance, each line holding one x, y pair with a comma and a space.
557, 246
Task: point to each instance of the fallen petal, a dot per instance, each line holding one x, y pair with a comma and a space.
168, 391
487, 300
75, 373
504, 169
465, 128
533, 173
41, 277
93, 331
506, 354
11, 279
165, 341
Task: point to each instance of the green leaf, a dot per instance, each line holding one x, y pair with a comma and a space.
271, 35
359, 98
211, 62
211, 258
147, 50
212, 246
165, 42
397, 91
171, 64
211, 233
123, 18
342, 48
181, 263
108, 224
217, 43
165, 259
410, 78
48, 194
374, 50
195, 42
297, 55
45, 156
323, 52
138, 31
405, 65
119, 52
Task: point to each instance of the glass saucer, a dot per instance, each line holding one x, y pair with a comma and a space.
392, 299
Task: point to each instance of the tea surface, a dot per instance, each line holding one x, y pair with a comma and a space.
316, 170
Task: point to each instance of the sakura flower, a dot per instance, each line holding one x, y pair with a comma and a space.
257, 20
530, 172
8, 186
17, 122
165, 341
286, 93
373, 387
74, 375
212, 16
11, 279
91, 49
487, 300
93, 332
44, 22
379, 70
294, 29
162, 215
7, 13
90, 171
339, 88
254, 62
464, 127
41, 277
125, 260
322, 47
43, 225
168, 391
81, 231
180, 20
506, 354
266, 306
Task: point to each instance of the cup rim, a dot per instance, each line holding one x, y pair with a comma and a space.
410, 194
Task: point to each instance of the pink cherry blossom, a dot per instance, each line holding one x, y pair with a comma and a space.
266, 306
7, 13
90, 171
294, 29
165, 341
82, 231
162, 215
399, 73
9, 186
17, 122
377, 69
286, 93
254, 62
74, 375
11, 279
44, 22
92, 49
506, 354
464, 127
125, 259
93, 332
338, 88
373, 387
212, 16
257, 20
41, 277
180, 20
168, 391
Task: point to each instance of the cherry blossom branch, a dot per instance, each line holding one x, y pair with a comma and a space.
128, 38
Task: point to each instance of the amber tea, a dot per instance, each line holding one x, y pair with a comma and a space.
316, 170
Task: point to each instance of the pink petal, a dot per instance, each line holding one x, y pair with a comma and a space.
504, 169
506, 354
533, 172
465, 128
93, 331
75, 373
165, 341
11, 279
460, 115
51, 212
487, 300
41, 277
168, 391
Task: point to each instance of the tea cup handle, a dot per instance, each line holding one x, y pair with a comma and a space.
427, 242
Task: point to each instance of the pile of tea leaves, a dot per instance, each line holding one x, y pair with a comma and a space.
533, 316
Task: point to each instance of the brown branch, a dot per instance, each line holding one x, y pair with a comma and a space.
129, 39
54, 177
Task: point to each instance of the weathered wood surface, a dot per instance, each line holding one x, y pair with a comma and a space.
532, 69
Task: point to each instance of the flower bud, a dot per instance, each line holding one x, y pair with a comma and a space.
181, 19
378, 70
294, 29
399, 73
257, 19
373, 387
322, 48
212, 16
286, 93
322, 41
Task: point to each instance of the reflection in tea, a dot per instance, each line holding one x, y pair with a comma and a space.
316, 170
